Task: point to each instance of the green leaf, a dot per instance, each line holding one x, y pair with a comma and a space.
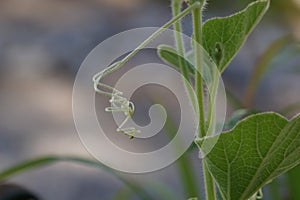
46, 160
224, 36
171, 56
253, 153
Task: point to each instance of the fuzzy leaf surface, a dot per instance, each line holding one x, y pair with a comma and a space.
224, 36
257, 150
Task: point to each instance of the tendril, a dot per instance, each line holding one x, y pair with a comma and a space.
259, 194
118, 102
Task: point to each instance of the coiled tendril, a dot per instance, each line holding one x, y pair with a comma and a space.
118, 102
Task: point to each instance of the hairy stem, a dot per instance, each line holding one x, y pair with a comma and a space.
184, 165
188, 179
176, 8
210, 190
197, 27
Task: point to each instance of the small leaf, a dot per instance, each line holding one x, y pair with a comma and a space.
170, 56
224, 36
260, 148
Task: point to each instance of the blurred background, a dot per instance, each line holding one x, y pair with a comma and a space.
42, 44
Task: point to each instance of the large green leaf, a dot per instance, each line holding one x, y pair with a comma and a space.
224, 36
253, 153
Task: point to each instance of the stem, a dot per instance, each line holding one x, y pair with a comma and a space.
151, 37
210, 190
184, 164
197, 27
176, 8
211, 118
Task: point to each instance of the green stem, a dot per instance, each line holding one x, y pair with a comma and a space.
197, 27
151, 37
176, 8
189, 182
184, 165
213, 89
210, 190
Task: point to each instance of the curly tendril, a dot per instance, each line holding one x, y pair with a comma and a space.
118, 102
